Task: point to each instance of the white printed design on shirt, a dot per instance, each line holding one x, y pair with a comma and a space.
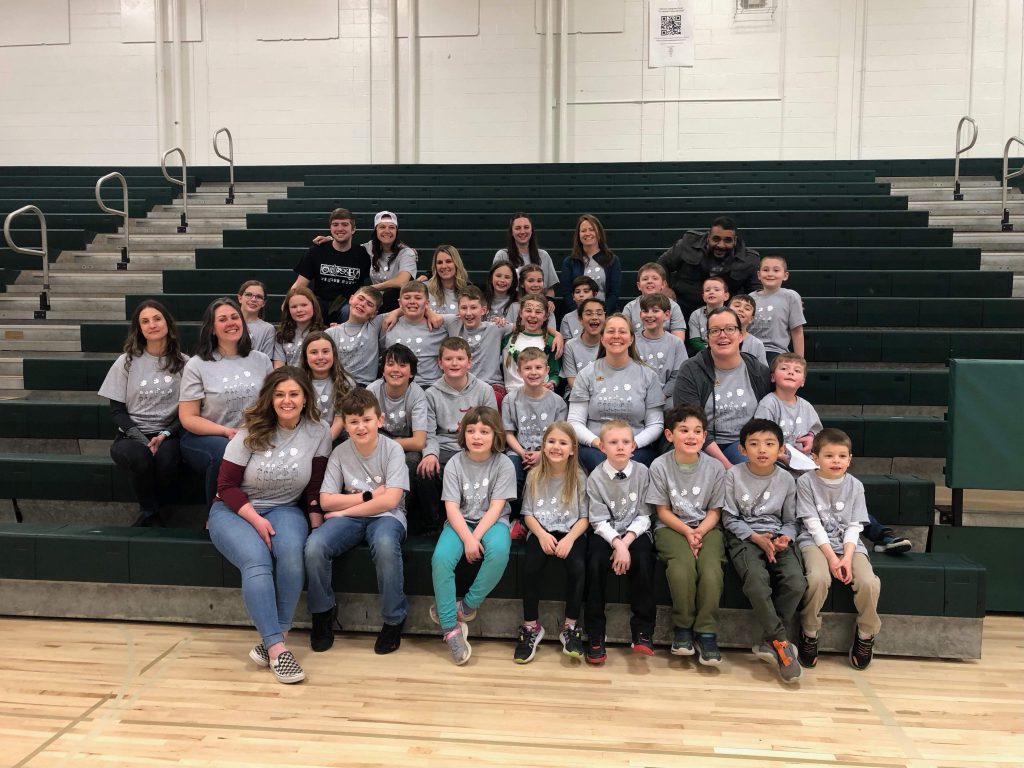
831, 521
237, 393
550, 514
614, 404
683, 502
625, 508
155, 391
754, 510
347, 344
475, 495
276, 470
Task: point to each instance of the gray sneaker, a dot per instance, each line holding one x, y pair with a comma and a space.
463, 614
458, 644
764, 652
789, 665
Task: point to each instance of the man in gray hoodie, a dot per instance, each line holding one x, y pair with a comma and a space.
447, 401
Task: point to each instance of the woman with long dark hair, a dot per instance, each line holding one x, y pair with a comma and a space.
142, 386
521, 249
392, 262
218, 383
274, 461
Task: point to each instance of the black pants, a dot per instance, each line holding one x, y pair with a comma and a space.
154, 477
426, 496
535, 560
641, 584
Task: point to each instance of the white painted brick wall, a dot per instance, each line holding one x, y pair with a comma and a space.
93, 101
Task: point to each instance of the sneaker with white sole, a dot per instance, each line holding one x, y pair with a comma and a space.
458, 644
707, 649
764, 652
786, 655
461, 613
286, 669
891, 544
260, 656
526, 645
682, 641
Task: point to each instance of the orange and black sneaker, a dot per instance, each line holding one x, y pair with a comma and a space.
789, 666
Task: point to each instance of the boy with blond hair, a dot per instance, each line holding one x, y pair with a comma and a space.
651, 279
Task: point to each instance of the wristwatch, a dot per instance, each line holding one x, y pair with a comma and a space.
165, 432
367, 496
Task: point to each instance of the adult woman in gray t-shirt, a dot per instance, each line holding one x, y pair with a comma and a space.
272, 463
726, 383
617, 386
217, 384
142, 386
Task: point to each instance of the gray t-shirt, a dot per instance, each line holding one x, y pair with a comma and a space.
731, 405
618, 502
689, 490
484, 348
504, 306
527, 418
324, 389
450, 304
546, 505
277, 476
664, 355
754, 346
626, 393
472, 484
149, 392
777, 314
837, 506
348, 471
290, 351
225, 386
263, 336
596, 272
577, 355
570, 327
550, 273
756, 504
675, 322
358, 348
424, 343
392, 265
403, 415
697, 325
796, 420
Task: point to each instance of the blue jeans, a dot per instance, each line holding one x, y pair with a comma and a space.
447, 554
874, 530
733, 453
203, 454
590, 457
338, 535
271, 578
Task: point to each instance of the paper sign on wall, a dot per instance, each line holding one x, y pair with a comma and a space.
671, 34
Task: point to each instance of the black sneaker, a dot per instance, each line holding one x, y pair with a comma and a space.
642, 644
526, 645
321, 636
596, 654
389, 638
572, 642
861, 652
682, 641
807, 651
891, 544
707, 649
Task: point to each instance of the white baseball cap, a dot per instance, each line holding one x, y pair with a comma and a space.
385, 216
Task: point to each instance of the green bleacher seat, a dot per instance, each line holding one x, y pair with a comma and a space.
55, 419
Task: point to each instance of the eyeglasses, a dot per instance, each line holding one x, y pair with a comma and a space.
728, 330
256, 296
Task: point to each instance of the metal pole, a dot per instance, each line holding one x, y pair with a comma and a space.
183, 183
44, 297
957, 195
1005, 224
123, 263
231, 162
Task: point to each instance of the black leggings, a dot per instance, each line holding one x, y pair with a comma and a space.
154, 477
534, 562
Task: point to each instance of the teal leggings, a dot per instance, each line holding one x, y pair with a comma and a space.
449, 550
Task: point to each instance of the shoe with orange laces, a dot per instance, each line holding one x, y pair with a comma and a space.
786, 656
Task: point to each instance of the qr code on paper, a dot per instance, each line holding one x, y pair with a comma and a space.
671, 25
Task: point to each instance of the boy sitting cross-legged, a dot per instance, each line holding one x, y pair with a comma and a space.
830, 504
687, 490
620, 541
651, 280
759, 515
363, 499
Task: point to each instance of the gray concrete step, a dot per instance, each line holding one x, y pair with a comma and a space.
32, 337
114, 283
991, 241
951, 208
937, 182
8, 383
15, 307
168, 226
249, 187
969, 223
106, 261
945, 194
204, 212
159, 242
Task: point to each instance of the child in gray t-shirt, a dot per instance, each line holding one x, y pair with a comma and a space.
478, 484
780, 312
797, 417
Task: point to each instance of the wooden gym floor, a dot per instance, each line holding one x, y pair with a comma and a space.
87, 693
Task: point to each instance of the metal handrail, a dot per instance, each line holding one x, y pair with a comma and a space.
123, 263
231, 162
44, 297
183, 183
957, 194
1005, 223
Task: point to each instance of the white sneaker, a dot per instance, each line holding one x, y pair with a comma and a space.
286, 669
458, 644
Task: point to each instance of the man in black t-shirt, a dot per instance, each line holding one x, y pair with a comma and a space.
334, 270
